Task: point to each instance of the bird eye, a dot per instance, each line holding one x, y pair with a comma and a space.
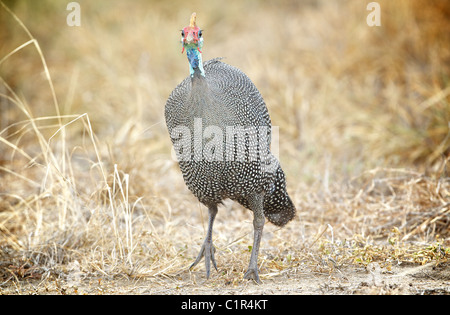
182, 33
200, 33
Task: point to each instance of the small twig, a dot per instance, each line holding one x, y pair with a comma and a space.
320, 235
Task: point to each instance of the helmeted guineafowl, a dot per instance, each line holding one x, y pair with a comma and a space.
221, 132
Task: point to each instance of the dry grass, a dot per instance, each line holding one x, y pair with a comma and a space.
89, 191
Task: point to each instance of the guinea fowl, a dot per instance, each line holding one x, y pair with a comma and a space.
221, 132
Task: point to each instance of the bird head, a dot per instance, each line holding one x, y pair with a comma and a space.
192, 41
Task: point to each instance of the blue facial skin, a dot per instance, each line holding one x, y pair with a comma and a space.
195, 59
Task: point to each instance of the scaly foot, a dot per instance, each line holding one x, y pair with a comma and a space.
252, 274
206, 251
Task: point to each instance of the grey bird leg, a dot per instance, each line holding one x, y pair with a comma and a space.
208, 249
256, 204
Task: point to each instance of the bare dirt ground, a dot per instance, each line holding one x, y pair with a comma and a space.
402, 279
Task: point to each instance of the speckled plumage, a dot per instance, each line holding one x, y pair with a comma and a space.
226, 98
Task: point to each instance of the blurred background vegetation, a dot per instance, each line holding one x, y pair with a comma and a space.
362, 96
347, 98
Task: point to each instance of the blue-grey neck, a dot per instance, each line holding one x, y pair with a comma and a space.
195, 61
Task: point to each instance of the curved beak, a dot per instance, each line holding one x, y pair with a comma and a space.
191, 38
191, 35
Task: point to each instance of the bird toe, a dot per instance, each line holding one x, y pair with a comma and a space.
252, 274
207, 251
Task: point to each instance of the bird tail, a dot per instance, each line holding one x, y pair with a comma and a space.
278, 206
